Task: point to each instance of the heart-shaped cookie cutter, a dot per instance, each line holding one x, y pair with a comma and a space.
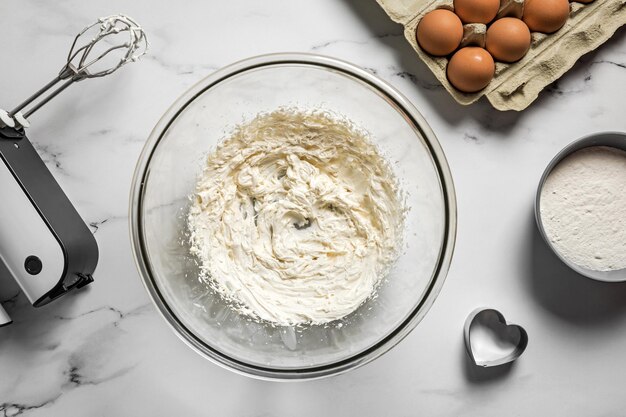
482, 316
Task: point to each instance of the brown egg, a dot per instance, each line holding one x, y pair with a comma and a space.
470, 69
508, 39
476, 11
545, 16
439, 32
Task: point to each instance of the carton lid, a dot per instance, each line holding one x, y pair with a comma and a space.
402, 11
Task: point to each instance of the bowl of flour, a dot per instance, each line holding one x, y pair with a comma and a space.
580, 206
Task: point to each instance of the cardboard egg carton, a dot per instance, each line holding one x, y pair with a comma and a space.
516, 85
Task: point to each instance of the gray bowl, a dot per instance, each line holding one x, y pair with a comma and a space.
612, 139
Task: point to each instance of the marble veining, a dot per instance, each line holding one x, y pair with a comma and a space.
105, 351
95, 225
426, 85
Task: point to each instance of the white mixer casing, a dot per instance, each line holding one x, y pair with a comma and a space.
27, 239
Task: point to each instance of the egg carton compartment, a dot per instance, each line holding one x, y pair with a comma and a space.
518, 84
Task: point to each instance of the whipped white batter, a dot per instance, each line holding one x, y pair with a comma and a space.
296, 218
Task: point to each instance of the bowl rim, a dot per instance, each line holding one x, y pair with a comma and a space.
439, 274
612, 139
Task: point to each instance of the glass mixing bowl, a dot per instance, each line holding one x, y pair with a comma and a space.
174, 156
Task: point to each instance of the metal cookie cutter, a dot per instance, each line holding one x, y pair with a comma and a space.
490, 340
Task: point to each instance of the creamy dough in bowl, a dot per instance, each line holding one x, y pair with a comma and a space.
296, 218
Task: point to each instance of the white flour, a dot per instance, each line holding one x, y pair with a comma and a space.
296, 218
583, 208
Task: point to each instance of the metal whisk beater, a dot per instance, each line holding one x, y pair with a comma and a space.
82, 62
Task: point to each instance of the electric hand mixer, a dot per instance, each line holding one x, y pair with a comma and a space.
45, 245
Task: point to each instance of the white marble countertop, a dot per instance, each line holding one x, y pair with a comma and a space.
104, 351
